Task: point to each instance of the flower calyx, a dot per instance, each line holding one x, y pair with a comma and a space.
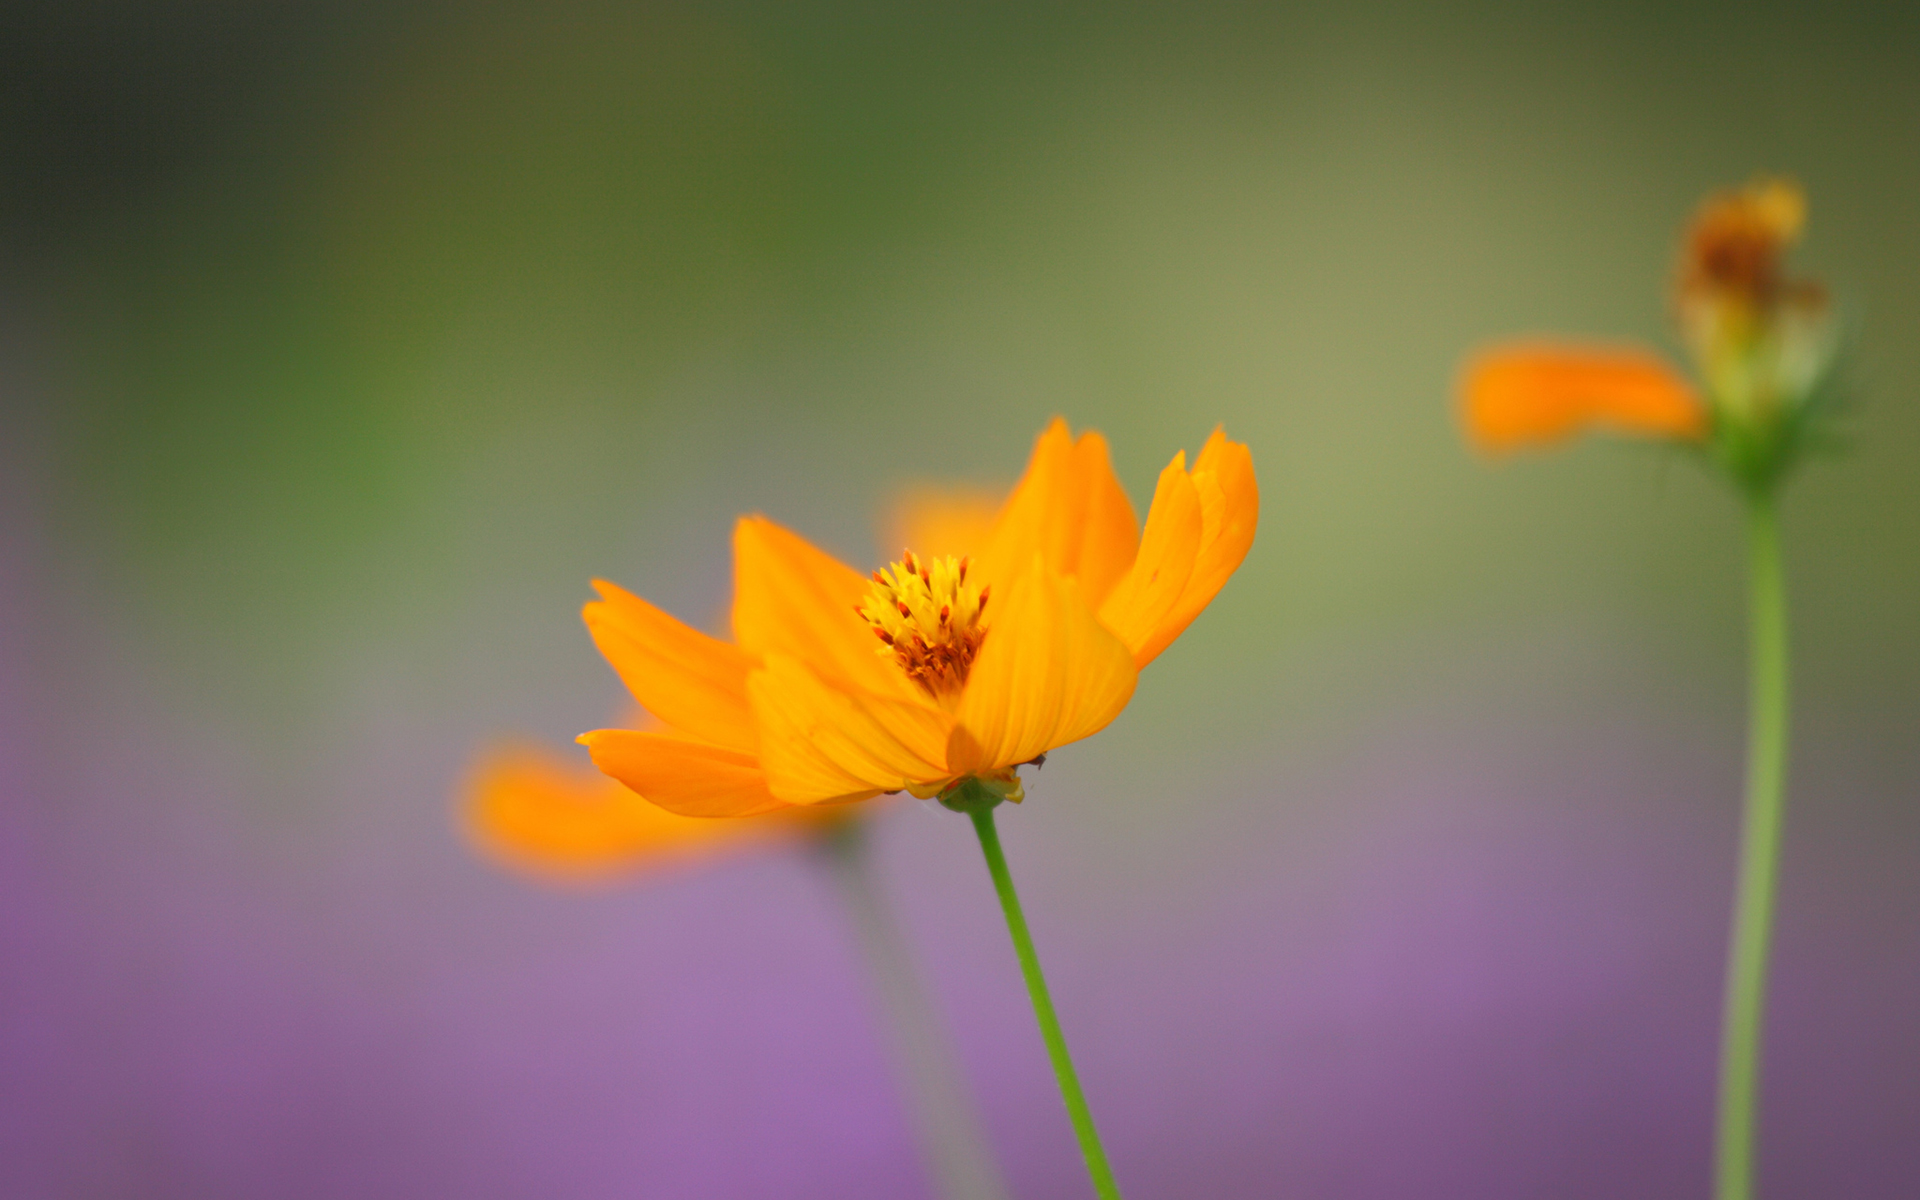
977, 793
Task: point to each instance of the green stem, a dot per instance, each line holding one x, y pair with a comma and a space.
1759, 855
942, 1111
1076, 1101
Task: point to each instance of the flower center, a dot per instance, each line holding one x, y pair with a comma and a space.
928, 618
1761, 338
1735, 244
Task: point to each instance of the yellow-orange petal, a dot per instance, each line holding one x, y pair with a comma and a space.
789, 597
1135, 609
1048, 673
1223, 487
822, 744
1230, 515
1536, 394
683, 776
695, 683
1071, 510
549, 815
935, 522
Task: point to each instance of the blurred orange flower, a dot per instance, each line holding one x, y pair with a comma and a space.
935, 672
551, 815
1533, 394
1763, 349
941, 519
1760, 341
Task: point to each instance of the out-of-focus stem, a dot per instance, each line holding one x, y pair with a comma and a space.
956, 1150
1759, 855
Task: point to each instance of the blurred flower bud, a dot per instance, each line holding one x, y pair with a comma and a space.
1763, 342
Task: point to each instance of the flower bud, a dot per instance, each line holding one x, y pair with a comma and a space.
1762, 341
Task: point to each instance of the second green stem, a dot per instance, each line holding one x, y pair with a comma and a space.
1759, 857
1076, 1100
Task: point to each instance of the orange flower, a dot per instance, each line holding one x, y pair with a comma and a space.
936, 672
1760, 341
553, 815
1760, 338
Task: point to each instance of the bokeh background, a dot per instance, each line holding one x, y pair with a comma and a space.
341, 344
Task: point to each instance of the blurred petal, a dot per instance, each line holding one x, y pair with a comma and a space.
934, 522
551, 815
1071, 510
1049, 673
695, 683
687, 777
791, 598
820, 743
1527, 395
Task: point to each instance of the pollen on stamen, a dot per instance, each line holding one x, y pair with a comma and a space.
927, 618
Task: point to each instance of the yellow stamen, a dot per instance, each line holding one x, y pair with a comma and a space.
928, 619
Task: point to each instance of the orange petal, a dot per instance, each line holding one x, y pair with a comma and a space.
1135, 608
938, 521
1230, 513
693, 682
687, 777
1048, 673
1071, 510
544, 813
821, 743
1526, 395
791, 598
1228, 497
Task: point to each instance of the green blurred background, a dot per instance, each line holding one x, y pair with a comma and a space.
341, 345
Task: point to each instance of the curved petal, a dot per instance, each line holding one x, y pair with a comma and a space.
1525, 395
1048, 673
1071, 510
794, 599
1229, 515
819, 743
682, 776
1135, 609
938, 521
538, 811
695, 683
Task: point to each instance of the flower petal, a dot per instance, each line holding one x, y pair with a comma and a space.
540, 812
937, 521
791, 598
1198, 532
1524, 395
1048, 673
1230, 513
1071, 510
1136, 607
683, 776
820, 743
695, 683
